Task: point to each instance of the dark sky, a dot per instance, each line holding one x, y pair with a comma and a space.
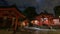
40, 5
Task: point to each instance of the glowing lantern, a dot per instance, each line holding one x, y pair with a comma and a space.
36, 22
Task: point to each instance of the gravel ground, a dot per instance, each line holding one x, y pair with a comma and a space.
32, 32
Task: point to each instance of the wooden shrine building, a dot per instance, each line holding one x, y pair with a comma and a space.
11, 12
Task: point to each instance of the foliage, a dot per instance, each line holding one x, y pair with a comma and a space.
57, 11
30, 12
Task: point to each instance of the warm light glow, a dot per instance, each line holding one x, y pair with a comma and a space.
5, 17
59, 16
23, 23
32, 22
13, 17
36, 22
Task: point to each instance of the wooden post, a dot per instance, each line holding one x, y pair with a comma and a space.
15, 25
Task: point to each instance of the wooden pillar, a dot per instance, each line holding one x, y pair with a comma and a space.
15, 25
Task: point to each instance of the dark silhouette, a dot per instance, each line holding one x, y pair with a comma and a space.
30, 12
57, 11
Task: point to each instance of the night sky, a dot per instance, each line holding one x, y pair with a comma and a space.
40, 5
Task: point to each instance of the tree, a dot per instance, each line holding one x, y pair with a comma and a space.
30, 12
57, 11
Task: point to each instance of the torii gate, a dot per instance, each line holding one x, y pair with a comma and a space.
11, 12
